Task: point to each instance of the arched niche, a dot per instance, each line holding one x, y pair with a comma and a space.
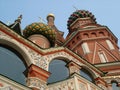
21, 53
101, 34
88, 74
19, 48
85, 35
114, 85
58, 70
61, 56
12, 64
93, 34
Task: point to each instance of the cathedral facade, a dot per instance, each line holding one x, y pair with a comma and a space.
87, 59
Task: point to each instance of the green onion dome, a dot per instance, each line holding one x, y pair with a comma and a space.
40, 28
80, 14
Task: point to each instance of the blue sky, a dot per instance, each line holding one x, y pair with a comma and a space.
107, 12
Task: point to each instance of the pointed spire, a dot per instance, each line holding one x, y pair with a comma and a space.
42, 20
75, 8
19, 19
16, 25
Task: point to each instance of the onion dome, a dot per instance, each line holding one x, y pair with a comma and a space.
40, 28
80, 14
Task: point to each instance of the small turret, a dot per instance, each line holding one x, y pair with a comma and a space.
59, 34
50, 18
16, 25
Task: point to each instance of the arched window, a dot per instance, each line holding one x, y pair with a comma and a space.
11, 64
86, 35
115, 85
93, 34
85, 48
58, 71
86, 74
102, 57
73, 42
101, 34
110, 45
78, 38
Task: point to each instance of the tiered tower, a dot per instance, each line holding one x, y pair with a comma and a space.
94, 42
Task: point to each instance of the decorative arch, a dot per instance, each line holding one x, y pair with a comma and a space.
101, 33
77, 37
58, 65
19, 48
58, 70
61, 58
114, 81
73, 42
93, 34
12, 65
89, 72
58, 55
114, 85
85, 35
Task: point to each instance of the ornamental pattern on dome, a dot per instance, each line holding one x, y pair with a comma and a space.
80, 14
40, 28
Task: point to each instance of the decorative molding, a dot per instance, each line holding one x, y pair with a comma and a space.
8, 84
16, 45
109, 79
34, 82
64, 85
60, 55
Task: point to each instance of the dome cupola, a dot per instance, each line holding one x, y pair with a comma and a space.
50, 15
40, 29
83, 16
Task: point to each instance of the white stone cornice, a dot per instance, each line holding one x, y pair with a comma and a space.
109, 79
12, 84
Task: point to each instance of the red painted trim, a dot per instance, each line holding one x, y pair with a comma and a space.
19, 40
35, 71
100, 81
38, 51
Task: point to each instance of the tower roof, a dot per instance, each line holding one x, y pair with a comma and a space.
80, 14
16, 25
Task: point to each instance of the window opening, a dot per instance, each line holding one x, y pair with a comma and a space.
58, 71
102, 56
87, 75
11, 64
85, 48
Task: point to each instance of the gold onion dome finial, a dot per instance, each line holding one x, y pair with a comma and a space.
80, 14
50, 15
42, 29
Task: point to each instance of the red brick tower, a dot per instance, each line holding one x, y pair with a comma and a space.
94, 42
